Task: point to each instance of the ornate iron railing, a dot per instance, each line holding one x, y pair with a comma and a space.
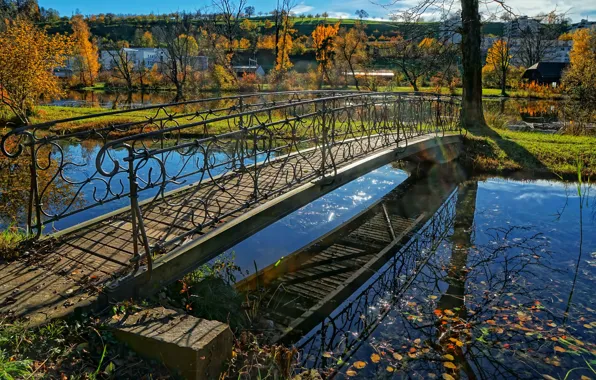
344, 331
235, 152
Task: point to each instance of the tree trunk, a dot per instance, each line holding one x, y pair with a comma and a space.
504, 83
472, 114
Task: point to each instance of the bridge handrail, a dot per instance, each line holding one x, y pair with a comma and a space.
260, 134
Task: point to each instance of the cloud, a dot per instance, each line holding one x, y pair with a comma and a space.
339, 14
302, 8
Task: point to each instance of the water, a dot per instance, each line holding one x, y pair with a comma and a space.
508, 293
531, 110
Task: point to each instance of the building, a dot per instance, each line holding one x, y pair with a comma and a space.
583, 24
516, 27
549, 73
448, 30
148, 57
252, 68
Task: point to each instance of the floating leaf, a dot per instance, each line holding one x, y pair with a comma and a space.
559, 349
449, 365
491, 322
588, 326
449, 357
360, 364
327, 354
397, 356
448, 312
417, 341
351, 372
375, 358
433, 297
390, 369
548, 377
447, 376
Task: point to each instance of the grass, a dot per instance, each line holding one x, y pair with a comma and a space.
75, 350
498, 150
9, 240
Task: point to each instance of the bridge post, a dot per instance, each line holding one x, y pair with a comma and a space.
138, 227
34, 205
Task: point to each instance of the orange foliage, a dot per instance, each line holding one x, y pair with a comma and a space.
86, 50
27, 57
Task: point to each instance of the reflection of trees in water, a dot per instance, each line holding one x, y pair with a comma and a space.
478, 310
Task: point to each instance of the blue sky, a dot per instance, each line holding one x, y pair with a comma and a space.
576, 9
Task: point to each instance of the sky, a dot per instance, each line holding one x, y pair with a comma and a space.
575, 9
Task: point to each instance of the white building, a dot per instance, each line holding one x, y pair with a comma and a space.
514, 28
148, 57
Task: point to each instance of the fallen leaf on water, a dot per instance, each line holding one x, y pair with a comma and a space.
588, 326
351, 372
433, 297
449, 357
417, 341
548, 377
397, 356
559, 349
449, 365
360, 364
327, 354
375, 358
390, 369
584, 377
491, 322
447, 376
448, 312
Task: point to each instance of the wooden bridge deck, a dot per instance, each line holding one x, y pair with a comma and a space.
74, 267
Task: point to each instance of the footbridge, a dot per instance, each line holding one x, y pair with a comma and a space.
124, 202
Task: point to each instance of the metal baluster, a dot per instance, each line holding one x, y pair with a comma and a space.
138, 226
34, 200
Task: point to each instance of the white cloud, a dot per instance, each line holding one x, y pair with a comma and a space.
302, 8
339, 14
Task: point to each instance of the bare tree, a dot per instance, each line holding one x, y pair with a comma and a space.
180, 45
536, 43
122, 62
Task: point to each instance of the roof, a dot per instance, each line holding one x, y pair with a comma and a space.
548, 69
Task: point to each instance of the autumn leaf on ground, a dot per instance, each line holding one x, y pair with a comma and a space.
375, 358
360, 364
449, 365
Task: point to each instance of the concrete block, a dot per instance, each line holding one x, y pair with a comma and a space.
196, 348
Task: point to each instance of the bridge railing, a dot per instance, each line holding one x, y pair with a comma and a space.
261, 147
53, 157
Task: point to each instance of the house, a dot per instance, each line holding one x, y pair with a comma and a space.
252, 68
549, 73
583, 24
148, 57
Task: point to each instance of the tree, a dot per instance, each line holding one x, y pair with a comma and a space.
122, 62
536, 43
499, 59
580, 77
350, 49
20, 9
419, 59
361, 13
323, 37
472, 112
87, 59
181, 46
282, 61
147, 39
27, 57
249, 11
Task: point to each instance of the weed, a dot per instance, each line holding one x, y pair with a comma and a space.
13, 369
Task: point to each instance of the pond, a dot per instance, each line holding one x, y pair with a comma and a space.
530, 110
507, 293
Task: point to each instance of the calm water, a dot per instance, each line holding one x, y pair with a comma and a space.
508, 293
525, 109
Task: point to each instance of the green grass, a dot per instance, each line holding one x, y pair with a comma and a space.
500, 150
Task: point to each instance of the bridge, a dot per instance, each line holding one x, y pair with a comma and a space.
145, 199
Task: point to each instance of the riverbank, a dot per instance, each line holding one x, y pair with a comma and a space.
501, 151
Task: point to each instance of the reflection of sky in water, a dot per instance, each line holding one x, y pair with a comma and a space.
315, 219
549, 208
83, 166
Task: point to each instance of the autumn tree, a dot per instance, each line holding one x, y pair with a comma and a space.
350, 49
580, 77
498, 59
323, 38
87, 59
284, 46
27, 57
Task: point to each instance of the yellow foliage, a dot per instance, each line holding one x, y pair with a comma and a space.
323, 37
27, 57
86, 50
266, 42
